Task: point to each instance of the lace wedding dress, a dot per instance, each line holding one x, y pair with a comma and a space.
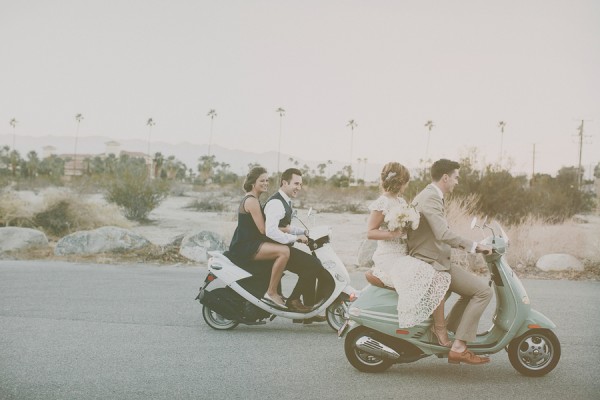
420, 287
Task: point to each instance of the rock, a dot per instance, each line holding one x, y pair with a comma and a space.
108, 239
559, 262
365, 253
14, 238
195, 245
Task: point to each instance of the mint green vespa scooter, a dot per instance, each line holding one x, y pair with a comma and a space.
373, 341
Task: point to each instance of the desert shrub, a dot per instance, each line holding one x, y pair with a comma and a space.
56, 219
210, 204
340, 208
14, 211
135, 192
337, 200
64, 211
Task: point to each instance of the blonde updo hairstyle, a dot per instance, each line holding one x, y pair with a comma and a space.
393, 176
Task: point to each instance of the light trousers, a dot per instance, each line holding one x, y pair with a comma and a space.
475, 295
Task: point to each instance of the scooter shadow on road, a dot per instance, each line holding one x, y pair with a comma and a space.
441, 372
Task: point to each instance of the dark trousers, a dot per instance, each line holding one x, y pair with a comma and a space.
309, 269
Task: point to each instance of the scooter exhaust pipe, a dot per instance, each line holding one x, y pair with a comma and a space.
375, 348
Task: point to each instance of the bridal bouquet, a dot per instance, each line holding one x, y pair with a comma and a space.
402, 217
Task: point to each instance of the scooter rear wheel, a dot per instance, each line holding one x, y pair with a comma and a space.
535, 353
216, 320
359, 359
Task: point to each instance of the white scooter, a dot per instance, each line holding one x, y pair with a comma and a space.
231, 295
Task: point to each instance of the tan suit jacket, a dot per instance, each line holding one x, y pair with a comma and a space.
433, 240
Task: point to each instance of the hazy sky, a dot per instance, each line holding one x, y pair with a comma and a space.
389, 65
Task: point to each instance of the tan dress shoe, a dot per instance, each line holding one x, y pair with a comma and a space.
467, 357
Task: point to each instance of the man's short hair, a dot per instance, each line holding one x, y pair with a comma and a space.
442, 167
288, 173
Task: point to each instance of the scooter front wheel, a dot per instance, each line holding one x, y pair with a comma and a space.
216, 320
336, 314
360, 359
535, 353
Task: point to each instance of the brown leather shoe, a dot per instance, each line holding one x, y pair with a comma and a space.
296, 305
466, 357
316, 318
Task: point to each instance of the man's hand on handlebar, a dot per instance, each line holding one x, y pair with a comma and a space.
302, 239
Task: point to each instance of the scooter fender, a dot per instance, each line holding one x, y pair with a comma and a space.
224, 269
333, 264
535, 320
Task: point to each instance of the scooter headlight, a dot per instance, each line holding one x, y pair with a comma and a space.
525, 299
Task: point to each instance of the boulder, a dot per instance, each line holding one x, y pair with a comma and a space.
108, 239
14, 238
559, 262
365, 253
195, 245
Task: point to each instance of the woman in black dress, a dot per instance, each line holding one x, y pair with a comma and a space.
249, 242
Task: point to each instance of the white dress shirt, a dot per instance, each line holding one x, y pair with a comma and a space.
274, 212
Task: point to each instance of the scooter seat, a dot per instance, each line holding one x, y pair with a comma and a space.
375, 281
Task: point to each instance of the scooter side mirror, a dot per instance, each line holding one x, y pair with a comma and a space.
308, 214
474, 223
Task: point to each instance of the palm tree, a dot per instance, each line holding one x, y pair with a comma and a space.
15, 161
281, 113
212, 114
501, 124
352, 124
158, 161
32, 164
429, 125
13, 122
78, 118
150, 124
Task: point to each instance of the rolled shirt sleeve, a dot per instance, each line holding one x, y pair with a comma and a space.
274, 212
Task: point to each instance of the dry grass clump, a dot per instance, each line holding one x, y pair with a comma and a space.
534, 237
58, 211
77, 213
14, 211
529, 240
326, 199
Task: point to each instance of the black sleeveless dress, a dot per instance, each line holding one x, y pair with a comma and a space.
247, 239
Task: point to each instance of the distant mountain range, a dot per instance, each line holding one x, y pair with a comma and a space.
186, 152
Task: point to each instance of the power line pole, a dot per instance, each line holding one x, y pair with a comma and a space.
579, 168
533, 167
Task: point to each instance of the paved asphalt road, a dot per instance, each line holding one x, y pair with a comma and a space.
72, 331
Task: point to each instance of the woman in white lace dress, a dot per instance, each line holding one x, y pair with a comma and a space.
421, 289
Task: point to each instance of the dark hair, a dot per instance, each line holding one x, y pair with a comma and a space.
393, 176
442, 167
252, 176
288, 173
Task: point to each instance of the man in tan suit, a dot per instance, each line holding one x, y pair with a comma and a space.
432, 242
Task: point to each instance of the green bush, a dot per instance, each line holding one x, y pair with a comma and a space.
55, 219
134, 191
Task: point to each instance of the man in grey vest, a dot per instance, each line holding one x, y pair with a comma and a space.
278, 217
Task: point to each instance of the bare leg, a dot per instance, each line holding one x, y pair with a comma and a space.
281, 254
439, 325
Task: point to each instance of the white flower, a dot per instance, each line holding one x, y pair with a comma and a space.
402, 217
